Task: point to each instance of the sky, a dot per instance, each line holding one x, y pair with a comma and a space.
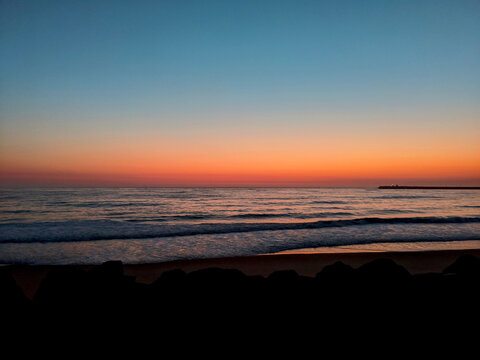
239, 93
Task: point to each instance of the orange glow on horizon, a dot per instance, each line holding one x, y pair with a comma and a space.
249, 155
296, 173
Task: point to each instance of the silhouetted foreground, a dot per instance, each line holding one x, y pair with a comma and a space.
380, 290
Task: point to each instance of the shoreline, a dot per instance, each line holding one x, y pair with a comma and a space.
370, 287
307, 262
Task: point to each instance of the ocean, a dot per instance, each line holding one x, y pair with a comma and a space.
141, 225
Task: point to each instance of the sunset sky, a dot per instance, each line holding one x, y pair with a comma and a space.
240, 93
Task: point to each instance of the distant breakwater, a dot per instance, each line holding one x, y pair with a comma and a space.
400, 187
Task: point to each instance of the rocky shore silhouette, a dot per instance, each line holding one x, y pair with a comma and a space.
380, 289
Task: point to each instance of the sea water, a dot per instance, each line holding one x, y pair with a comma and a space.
137, 225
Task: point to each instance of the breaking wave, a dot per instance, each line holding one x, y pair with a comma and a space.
89, 230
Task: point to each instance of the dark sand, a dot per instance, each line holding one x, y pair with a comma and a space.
307, 263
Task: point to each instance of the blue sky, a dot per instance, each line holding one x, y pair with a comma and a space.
166, 55
88, 66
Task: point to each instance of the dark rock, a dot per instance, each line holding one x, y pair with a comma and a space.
465, 265
172, 276
216, 275
284, 276
169, 289
337, 271
287, 289
11, 296
103, 290
382, 270
380, 289
63, 287
108, 271
108, 278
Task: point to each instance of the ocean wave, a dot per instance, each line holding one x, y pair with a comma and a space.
247, 216
103, 204
17, 211
394, 211
329, 202
389, 197
89, 230
289, 215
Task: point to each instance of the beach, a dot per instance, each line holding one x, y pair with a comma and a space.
305, 262
304, 295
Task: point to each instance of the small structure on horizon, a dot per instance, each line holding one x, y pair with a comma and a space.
396, 186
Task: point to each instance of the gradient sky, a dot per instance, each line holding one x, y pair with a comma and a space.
330, 93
